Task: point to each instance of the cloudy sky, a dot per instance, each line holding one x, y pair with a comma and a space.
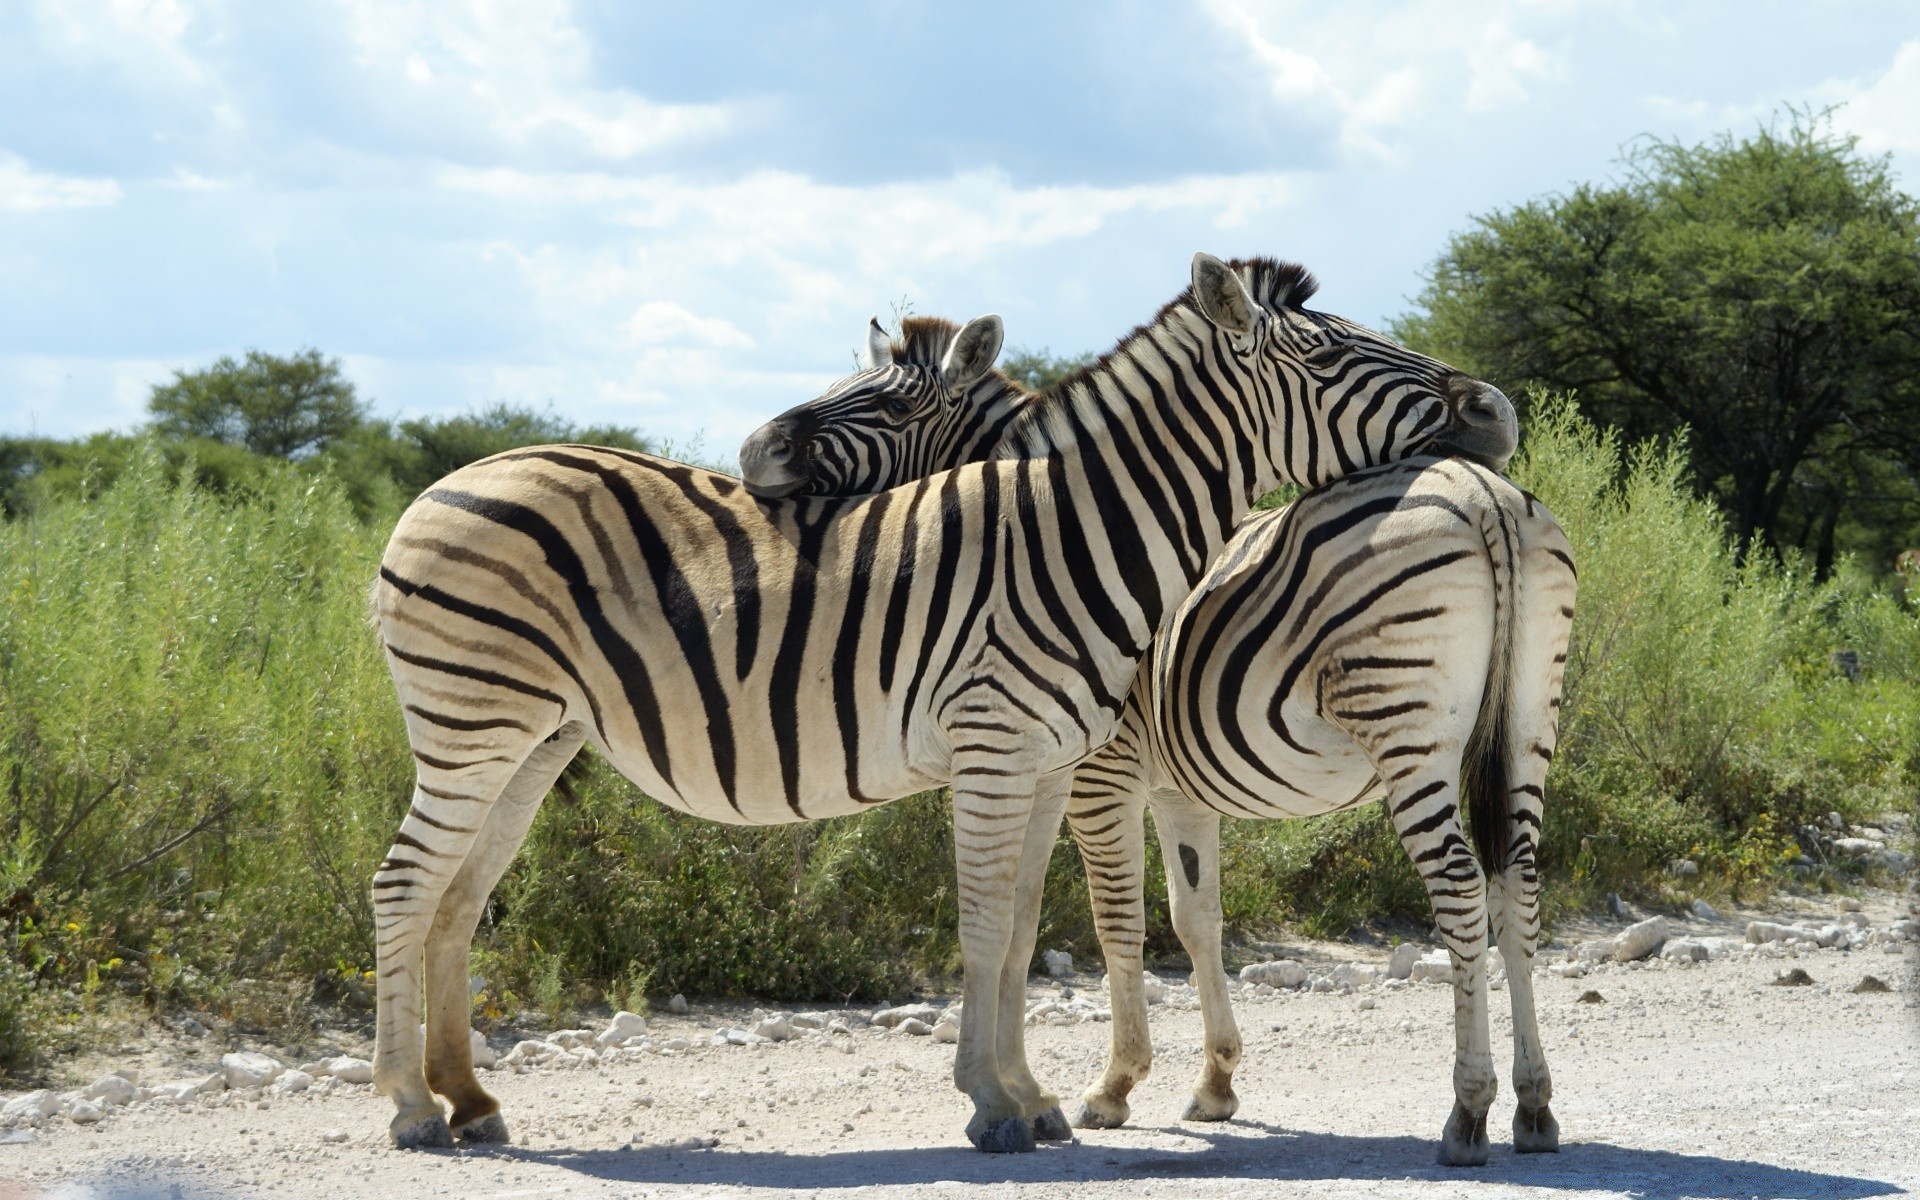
678, 216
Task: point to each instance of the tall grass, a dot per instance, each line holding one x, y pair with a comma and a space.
202, 762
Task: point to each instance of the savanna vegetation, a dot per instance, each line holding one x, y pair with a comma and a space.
202, 761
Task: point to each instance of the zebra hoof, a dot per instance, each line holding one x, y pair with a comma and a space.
1050, 1125
1010, 1136
1464, 1141
490, 1130
1211, 1108
1535, 1131
1101, 1112
421, 1133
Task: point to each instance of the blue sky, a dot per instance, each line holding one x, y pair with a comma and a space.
679, 216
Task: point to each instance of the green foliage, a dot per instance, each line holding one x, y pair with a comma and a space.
1037, 369
1759, 292
273, 406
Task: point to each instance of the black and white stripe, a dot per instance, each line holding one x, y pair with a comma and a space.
1399, 634
762, 661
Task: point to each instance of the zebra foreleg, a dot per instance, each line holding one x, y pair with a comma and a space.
1106, 816
449, 1052
1039, 1106
1426, 815
990, 815
1190, 847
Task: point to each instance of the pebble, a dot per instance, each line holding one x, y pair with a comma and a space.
483, 1056
947, 1031
1704, 911
292, 1081
678, 1004
914, 1026
1059, 963
1154, 987
887, 1018
112, 1090
1355, 975
1435, 965
85, 1112
1684, 950
776, 1028
334, 1135
1400, 963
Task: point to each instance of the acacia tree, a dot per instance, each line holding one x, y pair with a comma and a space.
1761, 292
288, 407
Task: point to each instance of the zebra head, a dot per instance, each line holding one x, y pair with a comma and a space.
925, 402
1365, 398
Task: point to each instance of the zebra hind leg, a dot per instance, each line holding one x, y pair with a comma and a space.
1190, 847
1425, 813
1105, 816
451, 802
449, 1052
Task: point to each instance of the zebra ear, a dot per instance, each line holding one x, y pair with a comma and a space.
879, 346
972, 353
1222, 295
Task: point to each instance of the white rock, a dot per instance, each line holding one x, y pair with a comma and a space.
85, 1112
1436, 965
1640, 939
570, 1039
1833, 936
776, 1028
350, 1070
1703, 910
483, 1056
1400, 962
1356, 975
1904, 930
1059, 963
292, 1081
1322, 984
1596, 950
1686, 949
334, 1135
946, 1031
317, 1068
737, 1037
915, 1027
1683, 868
112, 1090
887, 1018
1154, 987
623, 1026
245, 1069
808, 1020
130, 1074
1281, 973
1761, 932
678, 1004
1364, 1003
1569, 970
39, 1103
1858, 847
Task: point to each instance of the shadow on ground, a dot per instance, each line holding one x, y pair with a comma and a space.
1239, 1150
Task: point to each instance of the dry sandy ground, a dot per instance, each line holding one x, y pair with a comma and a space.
1698, 1081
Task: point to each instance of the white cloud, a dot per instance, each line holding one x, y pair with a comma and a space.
23, 189
1886, 114
522, 71
662, 321
1372, 74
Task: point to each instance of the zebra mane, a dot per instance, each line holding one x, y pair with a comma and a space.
923, 341
1042, 427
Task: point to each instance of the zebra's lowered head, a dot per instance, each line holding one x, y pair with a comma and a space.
925, 401
1375, 399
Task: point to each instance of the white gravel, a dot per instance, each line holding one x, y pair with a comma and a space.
1692, 1079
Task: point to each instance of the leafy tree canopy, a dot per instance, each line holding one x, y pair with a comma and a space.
1763, 292
281, 407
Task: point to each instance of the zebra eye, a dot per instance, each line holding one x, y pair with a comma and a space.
1325, 355
896, 406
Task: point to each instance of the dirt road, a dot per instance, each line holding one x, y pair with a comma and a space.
1697, 1080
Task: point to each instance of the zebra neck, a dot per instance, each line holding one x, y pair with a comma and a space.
1161, 435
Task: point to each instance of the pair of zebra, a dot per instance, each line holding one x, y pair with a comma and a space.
773, 657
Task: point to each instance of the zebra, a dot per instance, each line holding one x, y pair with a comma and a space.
750, 656
1375, 639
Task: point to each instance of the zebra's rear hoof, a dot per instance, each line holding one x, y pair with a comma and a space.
1010, 1136
1051, 1125
1535, 1131
1101, 1112
1464, 1141
1211, 1108
421, 1133
489, 1130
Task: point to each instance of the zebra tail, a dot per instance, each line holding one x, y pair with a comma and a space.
1485, 772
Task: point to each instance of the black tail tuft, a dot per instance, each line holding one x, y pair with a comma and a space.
573, 775
1483, 775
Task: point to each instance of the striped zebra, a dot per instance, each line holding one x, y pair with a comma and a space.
758, 660
1377, 639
